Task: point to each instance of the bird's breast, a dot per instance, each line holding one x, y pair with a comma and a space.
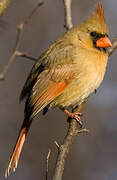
90, 70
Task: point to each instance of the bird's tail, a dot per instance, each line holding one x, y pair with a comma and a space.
18, 147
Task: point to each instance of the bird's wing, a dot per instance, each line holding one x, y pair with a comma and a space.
50, 84
57, 54
36, 69
49, 77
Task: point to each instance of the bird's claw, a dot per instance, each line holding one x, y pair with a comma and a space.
77, 117
74, 115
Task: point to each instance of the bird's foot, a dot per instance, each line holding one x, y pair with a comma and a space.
74, 115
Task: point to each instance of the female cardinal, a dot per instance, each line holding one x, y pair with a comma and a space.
67, 73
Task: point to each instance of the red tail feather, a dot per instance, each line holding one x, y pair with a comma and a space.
18, 147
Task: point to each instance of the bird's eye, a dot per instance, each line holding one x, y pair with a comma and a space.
93, 34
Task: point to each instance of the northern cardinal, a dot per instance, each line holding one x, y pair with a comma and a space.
67, 73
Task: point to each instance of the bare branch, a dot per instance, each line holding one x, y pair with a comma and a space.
113, 48
34, 11
47, 163
2, 75
19, 36
15, 53
26, 55
83, 131
65, 147
67, 14
57, 145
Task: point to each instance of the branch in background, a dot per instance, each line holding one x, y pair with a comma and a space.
47, 163
113, 48
3, 6
67, 14
26, 55
16, 52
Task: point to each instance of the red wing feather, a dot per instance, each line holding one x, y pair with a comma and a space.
52, 91
49, 85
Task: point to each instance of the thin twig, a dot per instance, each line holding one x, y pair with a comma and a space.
83, 131
26, 21
47, 163
114, 47
16, 54
57, 145
67, 14
20, 29
2, 75
34, 11
26, 55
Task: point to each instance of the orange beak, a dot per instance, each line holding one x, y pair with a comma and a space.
103, 42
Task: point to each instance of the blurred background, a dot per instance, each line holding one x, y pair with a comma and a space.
93, 156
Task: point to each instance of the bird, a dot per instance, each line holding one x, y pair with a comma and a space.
67, 72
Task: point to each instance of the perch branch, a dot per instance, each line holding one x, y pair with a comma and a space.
15, 53
67, 143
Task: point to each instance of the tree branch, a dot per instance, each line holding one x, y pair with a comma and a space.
114, 47
67, 143
47, 163
16, 53
67, 14
26, 55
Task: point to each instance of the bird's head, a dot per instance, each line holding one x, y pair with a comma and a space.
93, 32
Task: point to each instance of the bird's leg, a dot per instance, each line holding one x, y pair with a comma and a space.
73, 115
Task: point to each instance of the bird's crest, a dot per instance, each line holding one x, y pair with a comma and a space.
100, 10
96, 22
